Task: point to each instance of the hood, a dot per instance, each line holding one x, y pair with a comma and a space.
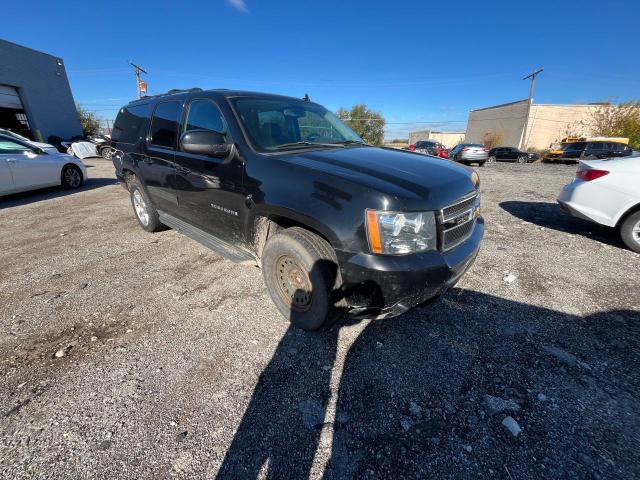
396, 172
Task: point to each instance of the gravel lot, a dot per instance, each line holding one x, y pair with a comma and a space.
175, 363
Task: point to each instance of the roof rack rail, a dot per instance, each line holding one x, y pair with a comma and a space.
173, 91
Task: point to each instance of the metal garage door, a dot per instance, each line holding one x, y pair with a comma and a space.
9, 97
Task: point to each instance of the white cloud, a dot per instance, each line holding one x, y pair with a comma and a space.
239, 5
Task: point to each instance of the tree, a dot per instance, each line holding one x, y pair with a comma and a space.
368, 124
88, 120
621, 120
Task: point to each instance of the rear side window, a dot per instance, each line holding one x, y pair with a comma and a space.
204, 115
128, 124
164, 125
9, 146
596, 146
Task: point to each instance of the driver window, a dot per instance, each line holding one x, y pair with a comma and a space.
9, 146
204, 115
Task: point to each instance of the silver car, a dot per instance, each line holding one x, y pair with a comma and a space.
469, 153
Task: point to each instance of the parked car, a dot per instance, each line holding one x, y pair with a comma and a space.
572, 152
469, 153
25, 166
336, 225
430, 147
511, 154
606, 192
44, 146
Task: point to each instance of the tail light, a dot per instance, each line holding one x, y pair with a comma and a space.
485, 149
412, 148
591, 174
465, 149
444, 153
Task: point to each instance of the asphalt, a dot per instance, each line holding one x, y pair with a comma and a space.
125, 354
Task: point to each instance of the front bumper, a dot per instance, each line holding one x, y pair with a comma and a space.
383, 286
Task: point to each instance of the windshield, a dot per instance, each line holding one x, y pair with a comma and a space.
280, 124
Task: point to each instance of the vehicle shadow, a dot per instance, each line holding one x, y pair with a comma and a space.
33, 196
550, 215
424, 395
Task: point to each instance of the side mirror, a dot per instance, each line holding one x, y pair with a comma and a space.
205, 142
39, 151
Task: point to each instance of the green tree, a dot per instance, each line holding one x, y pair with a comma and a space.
621, 120
88, 120
368, 124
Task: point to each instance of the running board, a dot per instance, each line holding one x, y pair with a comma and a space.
212, 242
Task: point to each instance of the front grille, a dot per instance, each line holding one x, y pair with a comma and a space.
457, 222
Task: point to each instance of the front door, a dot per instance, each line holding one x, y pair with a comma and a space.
29, 169
209, 189
6, 180
157, 166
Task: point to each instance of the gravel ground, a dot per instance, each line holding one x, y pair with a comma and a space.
125, 354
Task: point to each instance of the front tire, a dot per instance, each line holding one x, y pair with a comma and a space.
522, 159
145, 212
301, 273
71, 177
630, 232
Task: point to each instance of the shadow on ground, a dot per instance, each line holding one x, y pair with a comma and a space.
34, 196
550, 215
416, 397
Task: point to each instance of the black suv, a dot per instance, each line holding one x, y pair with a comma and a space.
593, 150
511, 154
336, 225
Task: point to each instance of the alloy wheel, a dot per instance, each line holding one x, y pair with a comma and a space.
72, 177
140, 207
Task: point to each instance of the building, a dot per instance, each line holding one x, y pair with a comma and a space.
545, 124
448, 139
35, 97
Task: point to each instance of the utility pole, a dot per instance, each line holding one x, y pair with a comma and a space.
523, 137
141, 84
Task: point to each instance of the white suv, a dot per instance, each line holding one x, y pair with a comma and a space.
607, 192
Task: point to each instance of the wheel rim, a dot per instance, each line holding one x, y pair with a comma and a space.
492, 159
522, 159
635, 232
293, 284
140, 207
106, 153
72, 177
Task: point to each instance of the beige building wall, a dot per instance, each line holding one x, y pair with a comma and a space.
505, 122
448, 139
547, 125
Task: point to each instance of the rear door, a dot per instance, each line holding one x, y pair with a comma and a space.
209, 189
157, 166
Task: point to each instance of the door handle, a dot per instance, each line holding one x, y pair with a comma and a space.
11, 160
147, 161
183, 170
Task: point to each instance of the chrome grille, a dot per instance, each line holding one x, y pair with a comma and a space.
457, 222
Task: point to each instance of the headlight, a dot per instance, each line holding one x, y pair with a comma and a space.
396, 233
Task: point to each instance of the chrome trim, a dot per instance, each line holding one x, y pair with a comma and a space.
442, 220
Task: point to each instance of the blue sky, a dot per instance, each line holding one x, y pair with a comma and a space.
414, 61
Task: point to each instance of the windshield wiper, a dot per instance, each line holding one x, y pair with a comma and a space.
307, 144
350, 142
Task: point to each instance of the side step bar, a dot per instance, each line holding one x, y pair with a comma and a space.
212, 242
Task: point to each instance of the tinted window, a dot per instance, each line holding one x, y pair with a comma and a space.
164, 125
129, 123
596, 146
9, 146
204, 115
575, 146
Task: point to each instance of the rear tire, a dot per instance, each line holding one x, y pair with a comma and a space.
71, 177
145, 212
301, 273
491, 159
630, 231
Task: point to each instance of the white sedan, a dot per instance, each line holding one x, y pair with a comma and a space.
607, 192
25, 166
